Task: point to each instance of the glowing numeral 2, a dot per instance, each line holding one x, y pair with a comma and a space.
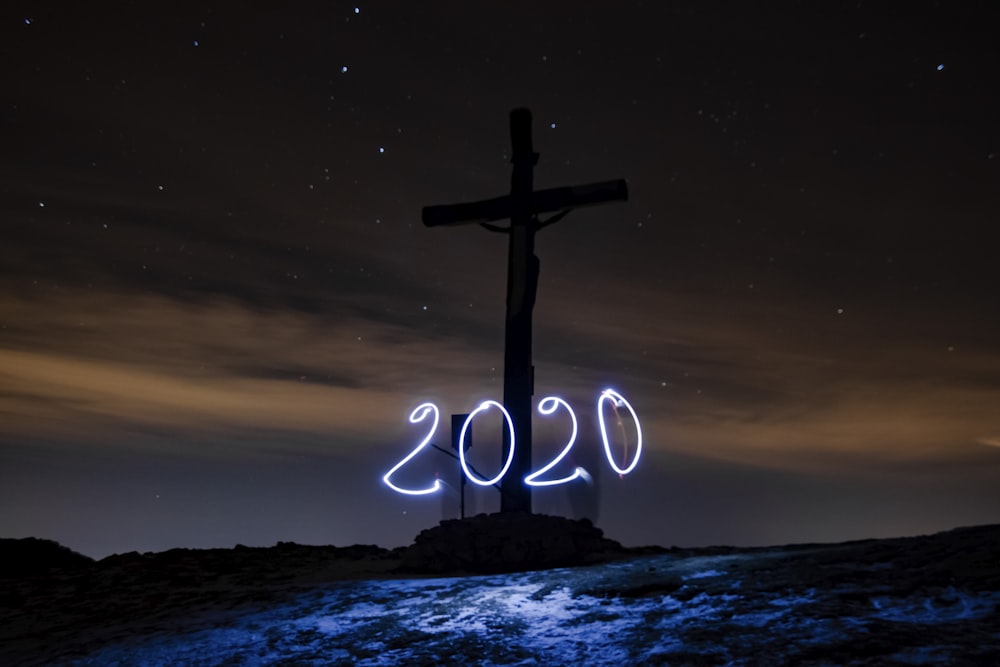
546, 406
418, 415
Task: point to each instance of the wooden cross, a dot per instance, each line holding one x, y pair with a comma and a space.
521, 206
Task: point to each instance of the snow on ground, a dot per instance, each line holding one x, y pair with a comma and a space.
645, 611
879, 602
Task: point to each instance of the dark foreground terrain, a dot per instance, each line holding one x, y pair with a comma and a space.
908, 601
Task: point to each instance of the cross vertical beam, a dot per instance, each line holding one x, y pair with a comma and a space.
522, 207
522, 286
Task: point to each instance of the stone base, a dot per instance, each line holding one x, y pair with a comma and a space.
508, 542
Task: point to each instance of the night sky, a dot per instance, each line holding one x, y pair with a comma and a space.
218, 304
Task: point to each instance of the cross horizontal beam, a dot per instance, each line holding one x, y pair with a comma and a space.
542, 201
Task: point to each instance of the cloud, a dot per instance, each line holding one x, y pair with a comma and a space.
711, 378
120, 361
780, 383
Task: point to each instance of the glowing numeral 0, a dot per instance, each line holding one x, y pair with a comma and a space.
547, 406
475, 479
616, 400
418, 415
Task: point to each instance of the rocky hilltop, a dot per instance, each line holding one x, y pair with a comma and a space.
931, 599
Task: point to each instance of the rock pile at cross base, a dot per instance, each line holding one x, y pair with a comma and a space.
508, 542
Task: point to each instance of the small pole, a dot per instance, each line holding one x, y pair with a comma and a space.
456, 430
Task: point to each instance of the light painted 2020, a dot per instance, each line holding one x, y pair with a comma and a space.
546, 406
